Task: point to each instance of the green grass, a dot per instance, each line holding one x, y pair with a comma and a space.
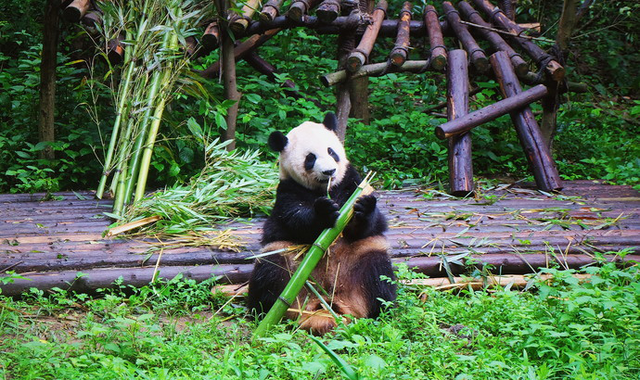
564, 329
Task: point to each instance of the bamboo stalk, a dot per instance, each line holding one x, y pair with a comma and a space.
148, 150
116, 129
310, 260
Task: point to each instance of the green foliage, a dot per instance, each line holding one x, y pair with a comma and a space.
568, 328
22, 170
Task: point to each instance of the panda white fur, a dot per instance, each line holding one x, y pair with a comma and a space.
311, 159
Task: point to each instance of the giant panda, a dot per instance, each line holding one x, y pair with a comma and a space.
313, 164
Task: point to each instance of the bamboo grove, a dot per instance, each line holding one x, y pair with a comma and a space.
151, 34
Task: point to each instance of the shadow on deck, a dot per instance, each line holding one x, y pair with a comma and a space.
59, 243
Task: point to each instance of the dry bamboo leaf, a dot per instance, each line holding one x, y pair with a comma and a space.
132, 225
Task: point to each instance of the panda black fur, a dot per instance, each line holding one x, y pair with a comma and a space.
311, 156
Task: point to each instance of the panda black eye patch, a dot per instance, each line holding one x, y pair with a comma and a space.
333, 154
309, 161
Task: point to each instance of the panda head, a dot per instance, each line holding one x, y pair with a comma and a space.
311, 154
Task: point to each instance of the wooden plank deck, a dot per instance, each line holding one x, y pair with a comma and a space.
515, 229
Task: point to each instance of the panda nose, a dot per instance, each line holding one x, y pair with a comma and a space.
329, 172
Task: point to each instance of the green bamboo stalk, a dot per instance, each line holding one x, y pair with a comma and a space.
310, 260
123, 90
145, 162
134, 167
116, 129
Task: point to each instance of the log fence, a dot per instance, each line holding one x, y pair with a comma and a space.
424, 39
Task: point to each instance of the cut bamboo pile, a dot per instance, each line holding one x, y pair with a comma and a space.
494, 46
507, 230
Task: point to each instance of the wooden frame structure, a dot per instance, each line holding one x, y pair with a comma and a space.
482, 39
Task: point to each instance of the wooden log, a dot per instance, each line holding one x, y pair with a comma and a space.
491, 112
460, 164
270, 10
300, 8
93, 279
211, 36
328, 10
238, 23
542, 59
510, 281
389, 28
375, 69
400, 51
76, 10
436, 40
509, 263
496, 41
565, 86
478, 58
240, 51
360, 55
537, 152
508, 7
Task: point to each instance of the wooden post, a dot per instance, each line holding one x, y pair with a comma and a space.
536, 151
211, 36
46, 126
238, 23
460, 164
478, 58
328, 11
400, 51
299, 8
543, 60
436, 40
270, 10
496, 41
491, 112
551, 103
360, 55
76, 10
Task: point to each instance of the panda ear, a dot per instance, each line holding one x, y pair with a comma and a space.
277, 141
331, 121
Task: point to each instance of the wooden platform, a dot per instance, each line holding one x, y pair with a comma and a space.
59, 242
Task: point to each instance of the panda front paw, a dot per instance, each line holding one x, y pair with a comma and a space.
327, 212
364, 207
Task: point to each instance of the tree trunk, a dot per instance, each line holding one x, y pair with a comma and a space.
229, 77
46, 128
551, 103
359, 88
